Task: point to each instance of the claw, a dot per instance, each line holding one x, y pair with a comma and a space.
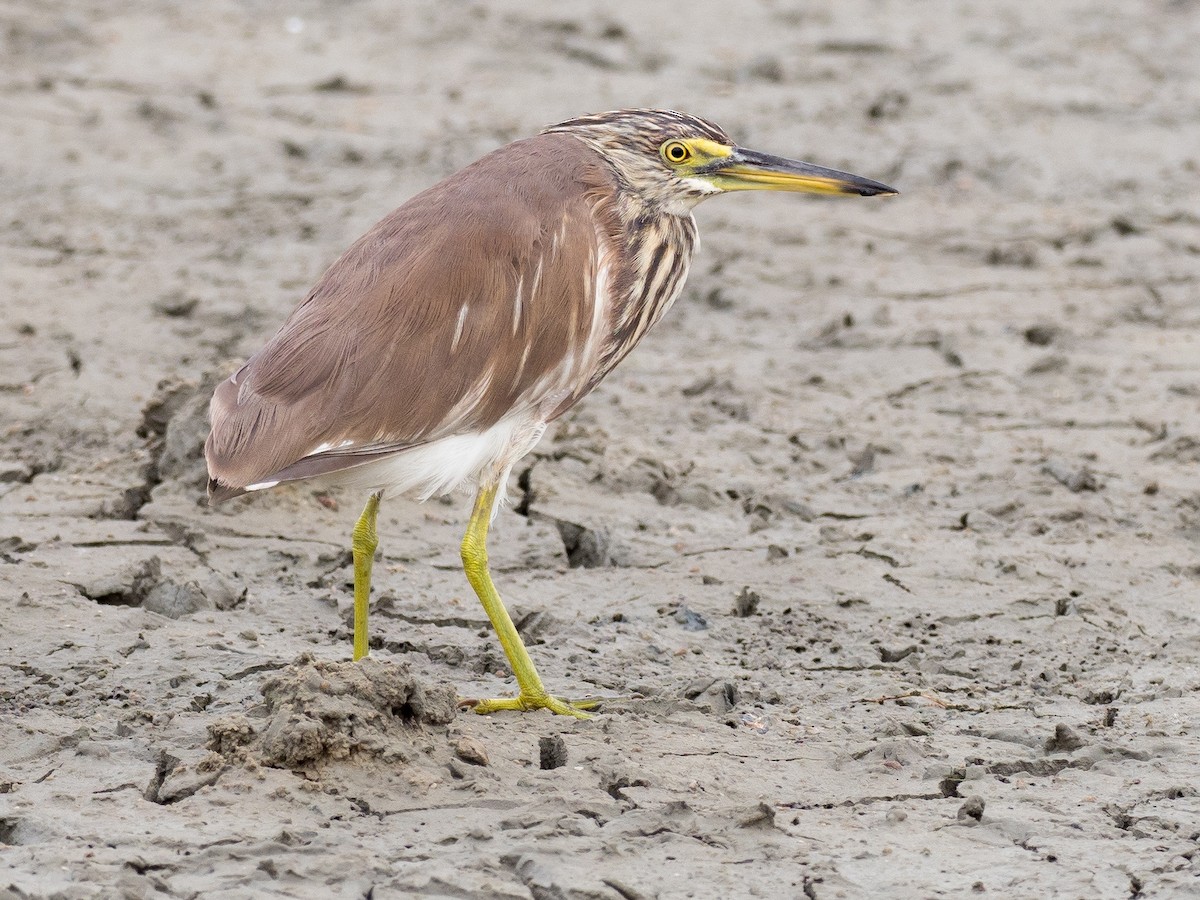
524, 703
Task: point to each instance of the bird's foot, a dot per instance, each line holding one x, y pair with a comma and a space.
527, 702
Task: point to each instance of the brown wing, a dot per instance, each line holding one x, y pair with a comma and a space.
458, 305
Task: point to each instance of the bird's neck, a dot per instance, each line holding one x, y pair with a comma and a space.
657, 253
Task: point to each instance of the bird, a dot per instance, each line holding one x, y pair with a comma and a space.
433, 353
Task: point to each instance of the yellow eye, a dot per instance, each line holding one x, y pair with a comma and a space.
676, 152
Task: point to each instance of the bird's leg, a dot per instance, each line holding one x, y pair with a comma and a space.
475, 562
363, 545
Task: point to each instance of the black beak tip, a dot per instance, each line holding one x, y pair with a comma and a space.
867, 188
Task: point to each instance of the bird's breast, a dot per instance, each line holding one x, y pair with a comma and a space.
656, 256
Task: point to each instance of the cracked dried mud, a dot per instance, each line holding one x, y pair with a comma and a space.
888, 537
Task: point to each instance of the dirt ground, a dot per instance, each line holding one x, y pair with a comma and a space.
891, 530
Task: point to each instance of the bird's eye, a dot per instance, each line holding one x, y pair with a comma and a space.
676, 152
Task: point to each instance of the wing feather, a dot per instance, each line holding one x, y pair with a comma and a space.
380, 356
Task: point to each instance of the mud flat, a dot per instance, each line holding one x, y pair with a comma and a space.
892, 528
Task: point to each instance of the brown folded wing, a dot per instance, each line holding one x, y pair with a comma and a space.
468, 301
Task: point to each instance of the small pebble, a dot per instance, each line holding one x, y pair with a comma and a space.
471, 751
972, 810
553, 751
762, 815
689, 618
1042, 335
887, 655
1065, 739
745, 603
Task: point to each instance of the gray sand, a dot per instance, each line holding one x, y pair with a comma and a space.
892, 527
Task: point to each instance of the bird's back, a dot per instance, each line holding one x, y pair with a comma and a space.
474, 298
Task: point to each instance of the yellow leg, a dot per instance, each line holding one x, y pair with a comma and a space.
363, 545
474, 554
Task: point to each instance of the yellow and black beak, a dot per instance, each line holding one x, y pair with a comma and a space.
749, 170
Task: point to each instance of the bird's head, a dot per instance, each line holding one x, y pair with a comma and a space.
675, 160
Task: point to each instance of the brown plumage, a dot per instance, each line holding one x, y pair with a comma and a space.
377, 353
434, 352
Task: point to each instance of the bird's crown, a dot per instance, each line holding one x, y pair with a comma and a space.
646, 129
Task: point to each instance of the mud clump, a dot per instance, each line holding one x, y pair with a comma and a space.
319, 711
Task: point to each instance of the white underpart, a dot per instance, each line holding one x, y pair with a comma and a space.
458, 328
444, 465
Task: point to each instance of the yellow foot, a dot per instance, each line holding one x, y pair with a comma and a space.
527, 702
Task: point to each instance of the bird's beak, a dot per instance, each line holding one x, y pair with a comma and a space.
749, 170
